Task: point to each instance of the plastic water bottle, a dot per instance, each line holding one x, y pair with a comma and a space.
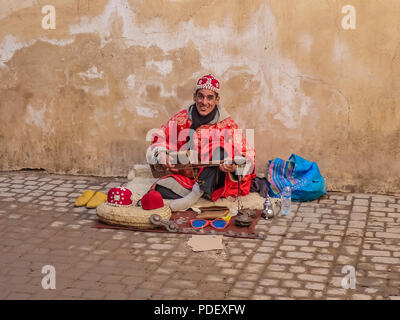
286, 199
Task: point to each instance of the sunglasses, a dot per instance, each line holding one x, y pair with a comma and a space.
202, 223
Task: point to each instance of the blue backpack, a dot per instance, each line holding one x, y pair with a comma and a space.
303, 176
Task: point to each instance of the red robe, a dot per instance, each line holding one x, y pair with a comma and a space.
223, 132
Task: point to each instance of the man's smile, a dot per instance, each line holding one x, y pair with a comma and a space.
206, 100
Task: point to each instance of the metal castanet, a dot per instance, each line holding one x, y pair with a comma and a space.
170, 225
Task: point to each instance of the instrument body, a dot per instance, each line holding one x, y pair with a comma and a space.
188, 164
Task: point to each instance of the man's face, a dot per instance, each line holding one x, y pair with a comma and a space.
206, 101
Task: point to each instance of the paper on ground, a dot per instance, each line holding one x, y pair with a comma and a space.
205, 242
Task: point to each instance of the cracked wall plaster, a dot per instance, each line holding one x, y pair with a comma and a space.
80, 99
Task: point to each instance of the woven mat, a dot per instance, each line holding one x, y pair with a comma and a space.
182, 219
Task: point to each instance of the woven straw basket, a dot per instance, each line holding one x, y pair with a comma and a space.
131, 216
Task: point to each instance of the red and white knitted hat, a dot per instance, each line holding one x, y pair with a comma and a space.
208, 82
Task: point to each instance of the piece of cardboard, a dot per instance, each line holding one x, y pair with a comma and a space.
212, 214
205, 242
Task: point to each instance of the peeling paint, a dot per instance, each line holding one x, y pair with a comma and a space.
163, 67
92, 73
9, 46
105, 91
146, 112
8, 7
36, 116
60, 43
305, 42
130, 80
114, 69
340, 51
285, 89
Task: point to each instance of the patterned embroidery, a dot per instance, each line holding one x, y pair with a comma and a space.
181, 120
220, 125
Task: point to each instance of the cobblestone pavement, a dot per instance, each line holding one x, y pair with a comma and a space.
302, 257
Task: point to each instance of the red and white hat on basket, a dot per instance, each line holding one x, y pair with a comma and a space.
119, 197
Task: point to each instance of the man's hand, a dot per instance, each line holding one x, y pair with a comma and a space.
227, 167
165, 161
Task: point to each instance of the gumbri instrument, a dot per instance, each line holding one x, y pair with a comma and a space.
189, 161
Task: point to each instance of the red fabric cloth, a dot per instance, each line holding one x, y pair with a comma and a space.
207, 139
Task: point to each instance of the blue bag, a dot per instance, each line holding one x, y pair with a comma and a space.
303, 177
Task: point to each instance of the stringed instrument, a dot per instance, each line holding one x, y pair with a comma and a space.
188, 164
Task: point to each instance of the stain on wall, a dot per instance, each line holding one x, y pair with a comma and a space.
80, 99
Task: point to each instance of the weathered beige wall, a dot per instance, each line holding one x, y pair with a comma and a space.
80, 99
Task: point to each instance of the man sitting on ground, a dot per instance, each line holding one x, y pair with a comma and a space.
206, 129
